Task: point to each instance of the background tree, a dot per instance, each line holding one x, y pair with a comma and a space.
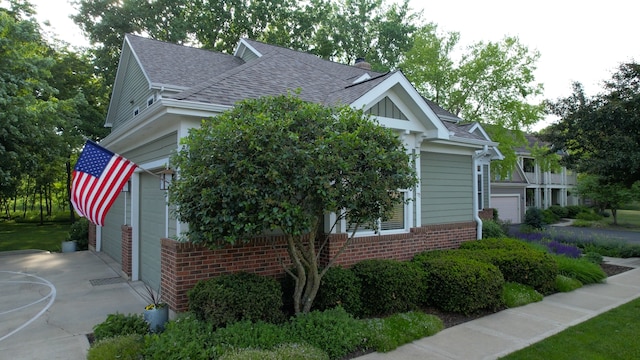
339, 30
490, 82
601, 134
607, 195
282, 164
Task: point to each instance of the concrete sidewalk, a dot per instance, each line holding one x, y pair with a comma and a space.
502, 333
85, 287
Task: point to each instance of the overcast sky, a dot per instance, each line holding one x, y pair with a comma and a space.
581, 41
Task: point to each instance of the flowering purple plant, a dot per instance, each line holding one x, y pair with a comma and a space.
564, 249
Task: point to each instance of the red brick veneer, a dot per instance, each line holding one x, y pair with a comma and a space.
184, 264
127, 236
486, 214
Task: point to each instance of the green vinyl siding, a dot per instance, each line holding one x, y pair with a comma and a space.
485, 185
158, 149
447, 188
152, 228
134, 94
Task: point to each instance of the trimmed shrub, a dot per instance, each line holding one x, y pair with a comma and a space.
463, 285
588, 216
529, 267
389, 286
495, 243
593, 257
492, 229
574, 210
245, 335
120, 324
559, 211
580, 269
229, 298
549, 217
582, 223
567, 284
339, 287
386, 334
183, 338
79, 232
514, 295
284, 351
334, 331
533, 218
125, 347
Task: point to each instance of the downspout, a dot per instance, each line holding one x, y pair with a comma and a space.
479, 154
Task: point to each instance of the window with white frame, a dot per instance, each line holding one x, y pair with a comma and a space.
150, 100
397, 221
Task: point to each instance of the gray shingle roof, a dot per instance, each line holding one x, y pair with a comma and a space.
177, 65
454, 123
280, 70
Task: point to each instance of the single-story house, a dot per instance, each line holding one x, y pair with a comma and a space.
529, 185
162, 90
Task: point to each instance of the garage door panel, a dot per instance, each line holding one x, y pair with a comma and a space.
508, 208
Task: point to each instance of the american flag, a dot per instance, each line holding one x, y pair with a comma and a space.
98, 177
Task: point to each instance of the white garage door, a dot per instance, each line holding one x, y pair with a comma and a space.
508, 207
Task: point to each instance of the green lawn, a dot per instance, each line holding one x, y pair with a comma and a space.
24, 236
612, 335
629, 219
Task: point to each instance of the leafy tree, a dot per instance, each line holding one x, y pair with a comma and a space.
607, 195
281, 164
491, 83
601, 134
339, 30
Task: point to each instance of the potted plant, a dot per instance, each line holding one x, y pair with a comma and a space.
78, 237
156, 313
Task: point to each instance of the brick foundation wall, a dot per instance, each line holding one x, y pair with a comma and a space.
92, 236
127, 238
486, 214
184, 264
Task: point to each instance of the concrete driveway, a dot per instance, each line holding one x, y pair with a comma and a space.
49, 302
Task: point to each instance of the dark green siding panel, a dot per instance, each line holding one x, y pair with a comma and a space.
485, 185
447, 188
134, 94
111, 231
158, 149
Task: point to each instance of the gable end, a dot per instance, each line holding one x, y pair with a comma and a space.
386, 108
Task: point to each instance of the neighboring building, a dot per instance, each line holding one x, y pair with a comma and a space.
162, 90
528, 186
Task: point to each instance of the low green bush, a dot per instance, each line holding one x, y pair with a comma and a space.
610, 248
582, 223
533, 218
125, 347
389, 286
574, 210
79, 232
339, 287
120, 324
495, 243
580, 269
567, 284
386, 334
529, 267
284, 351
593, 257
549, 217
588, 216
462, 285
334, 331
514, 295
246, 334
229, 298
183, 338
559, 211
492, 229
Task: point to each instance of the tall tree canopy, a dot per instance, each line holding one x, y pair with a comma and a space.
282, 164
601, 134
340, 30
489, 82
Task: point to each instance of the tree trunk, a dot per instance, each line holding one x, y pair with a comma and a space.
41, 209
72, 213
614, 213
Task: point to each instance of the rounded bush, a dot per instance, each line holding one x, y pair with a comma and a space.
339, 287
463, 285
589, 216
79, 232
533, 218
529, 267
284, 351
492, 229
125, 347
120, 324
389, 286
574, 210
549, 217
234, 297
559, 211
495, 243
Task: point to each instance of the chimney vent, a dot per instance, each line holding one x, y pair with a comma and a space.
362, 64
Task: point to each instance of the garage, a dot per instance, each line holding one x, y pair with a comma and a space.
508, 207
